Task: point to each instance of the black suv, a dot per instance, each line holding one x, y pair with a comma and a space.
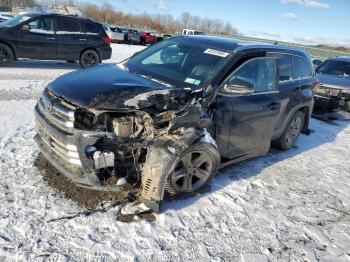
53, 37
168, 118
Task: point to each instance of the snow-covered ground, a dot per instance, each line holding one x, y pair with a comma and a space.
286, 206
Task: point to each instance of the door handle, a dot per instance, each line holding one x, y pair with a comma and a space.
50, 38
82, 39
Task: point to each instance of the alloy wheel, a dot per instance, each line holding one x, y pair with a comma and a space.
90, 59
294, 130
192, 171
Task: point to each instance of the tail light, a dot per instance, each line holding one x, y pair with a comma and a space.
106, 40
316, 84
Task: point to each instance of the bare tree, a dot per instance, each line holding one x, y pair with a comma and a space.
162, 23
185, 19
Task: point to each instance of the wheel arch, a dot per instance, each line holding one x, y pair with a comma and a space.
14, 50
91, 48
305, 109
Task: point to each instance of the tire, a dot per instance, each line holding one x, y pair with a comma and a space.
196, 167
7, 57
143, 42
291, 133
89, 58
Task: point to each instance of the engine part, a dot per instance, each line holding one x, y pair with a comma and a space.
123, 126
103, 159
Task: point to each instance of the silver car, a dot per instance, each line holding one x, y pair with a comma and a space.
115, 37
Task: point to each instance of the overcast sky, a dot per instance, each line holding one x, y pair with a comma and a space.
308, 21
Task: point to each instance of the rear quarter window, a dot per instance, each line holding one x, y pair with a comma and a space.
301, 68
91, 29
69, 26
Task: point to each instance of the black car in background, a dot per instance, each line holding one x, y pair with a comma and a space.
45, 36
333, 92
165, 120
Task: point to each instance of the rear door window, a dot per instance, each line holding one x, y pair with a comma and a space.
301, 68
91, 29
69, 26
285, 66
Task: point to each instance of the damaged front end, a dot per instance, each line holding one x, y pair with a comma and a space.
331, 99
113, 150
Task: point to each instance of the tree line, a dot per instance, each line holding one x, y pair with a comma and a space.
163, 23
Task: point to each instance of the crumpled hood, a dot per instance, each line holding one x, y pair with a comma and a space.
107, 87
334, 81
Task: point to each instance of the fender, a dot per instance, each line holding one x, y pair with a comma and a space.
291, 113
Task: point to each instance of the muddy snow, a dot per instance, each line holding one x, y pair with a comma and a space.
286, 206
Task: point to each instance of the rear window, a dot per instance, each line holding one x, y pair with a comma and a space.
301, 68
69, 26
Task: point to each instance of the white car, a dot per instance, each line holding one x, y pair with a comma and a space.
113, 34
191, 32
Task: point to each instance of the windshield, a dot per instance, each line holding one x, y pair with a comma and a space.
15, 20
179, 64
334, 67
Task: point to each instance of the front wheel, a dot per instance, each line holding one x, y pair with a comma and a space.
89, 58
195, 169
6, 56
291, 133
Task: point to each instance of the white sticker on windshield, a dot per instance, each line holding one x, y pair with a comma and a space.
216, 52
192, 81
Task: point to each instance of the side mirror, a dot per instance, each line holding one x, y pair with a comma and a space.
239, 87
25, 27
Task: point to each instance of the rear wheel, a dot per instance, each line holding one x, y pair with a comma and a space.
6, 56
195, 169
89, 58
291, 133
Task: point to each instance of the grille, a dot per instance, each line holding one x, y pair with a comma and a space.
56, 112
67, 152
327, 91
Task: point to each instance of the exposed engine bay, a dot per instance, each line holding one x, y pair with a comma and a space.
132, 148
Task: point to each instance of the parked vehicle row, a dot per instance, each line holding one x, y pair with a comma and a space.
132, 36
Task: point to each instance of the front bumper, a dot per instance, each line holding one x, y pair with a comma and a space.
329, 102
50, 141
